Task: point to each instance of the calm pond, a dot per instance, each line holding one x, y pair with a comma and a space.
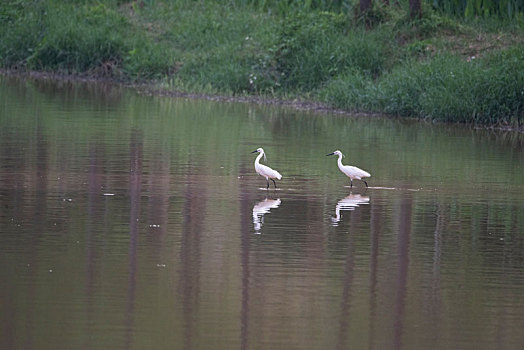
137, 222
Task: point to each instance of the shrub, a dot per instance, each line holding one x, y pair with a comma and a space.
446, 88
79, 38
313, 49
351, 91
84, 38
20, 30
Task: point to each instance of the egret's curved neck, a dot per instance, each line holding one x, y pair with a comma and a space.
339, 160
260, 155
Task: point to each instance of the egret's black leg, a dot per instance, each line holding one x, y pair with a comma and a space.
274, 183
365, 183
351, 181
267, 188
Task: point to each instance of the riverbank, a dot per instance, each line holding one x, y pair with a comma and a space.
299, 104
437, 68
152, 89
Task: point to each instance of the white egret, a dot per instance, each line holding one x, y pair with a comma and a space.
351, 171
264, 170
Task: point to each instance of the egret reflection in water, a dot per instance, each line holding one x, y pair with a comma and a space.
348, 203
262, 208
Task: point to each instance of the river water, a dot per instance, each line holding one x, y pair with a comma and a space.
138, 222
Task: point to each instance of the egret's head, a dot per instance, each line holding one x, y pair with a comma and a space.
336, 153
259, 150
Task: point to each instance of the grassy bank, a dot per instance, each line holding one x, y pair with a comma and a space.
437, 67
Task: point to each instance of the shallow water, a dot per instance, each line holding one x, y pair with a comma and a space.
132, 222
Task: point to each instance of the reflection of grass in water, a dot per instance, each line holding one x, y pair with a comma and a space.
190, 140
209, 136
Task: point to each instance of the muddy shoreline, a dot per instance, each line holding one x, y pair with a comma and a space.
151, 90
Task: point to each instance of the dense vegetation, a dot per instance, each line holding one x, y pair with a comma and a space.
461, 61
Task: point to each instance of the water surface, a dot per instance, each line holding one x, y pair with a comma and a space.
133, 222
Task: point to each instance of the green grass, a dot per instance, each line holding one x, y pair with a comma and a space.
71, 38
437, 67
446, 88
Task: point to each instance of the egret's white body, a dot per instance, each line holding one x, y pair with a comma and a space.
350, 171
264, 170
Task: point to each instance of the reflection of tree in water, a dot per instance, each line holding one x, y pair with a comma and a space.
376, 228
190, 255
39, 215
95, 213
135, 180
435, 299
14, 189
245, 249
345, 303
403, 239
483, 235
158, 183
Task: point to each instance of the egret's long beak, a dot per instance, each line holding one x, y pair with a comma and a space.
255, 151
330, 154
